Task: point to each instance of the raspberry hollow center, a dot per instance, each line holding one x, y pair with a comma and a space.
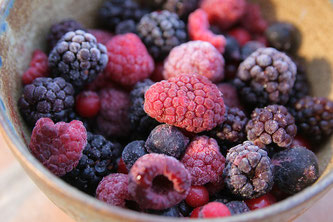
162, 185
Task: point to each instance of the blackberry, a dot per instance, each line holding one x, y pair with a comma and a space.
114, 12
46, 97
95, 163
127, 26
271, 125
314, 117
78, 58
133, 151
141, 123
59, 29
232, 51
248, 172
249, 48
161, 31
267, 76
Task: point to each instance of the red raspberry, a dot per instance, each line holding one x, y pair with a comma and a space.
102, 81
301, 141
113, 189
260, 202
157, 75
38, 67
191, 102
158, 181
211, 210
198, 196
198, 29
230, 96
87, 104
241, 35
58, 146
122, 167
252, 19
204, 161
129, 60
102, 36
224, 13
195, 57
112, 119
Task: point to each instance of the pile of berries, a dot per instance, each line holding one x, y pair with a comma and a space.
180, 108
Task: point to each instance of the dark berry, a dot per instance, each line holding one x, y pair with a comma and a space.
249, 48
127, 26
166, 139
261, 202
158, 182
211, 210
72, 115
184, 208
87, 104
171, 212
197, 196
46, 97
232, 50
237, 207
295, 169
133, 151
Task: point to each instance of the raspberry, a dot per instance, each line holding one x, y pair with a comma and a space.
157, 181
102, 81
102, 36
237, 207
204, 161
157, 75
301, 141
87, 104
224, 13
271, 125
129, 61
166, 139
121, 167
230, 96
112, 119
38, 67
197, 196
211, 210
241, 35
261, 202
198, 29
133, 151
58, 146
141, 123
59, 29
113, 190
161, 31
295, 169
252, 19
46, 97
78, 58
248, 172
267, 76
72, 115
195, 57
127, 26
191, 102
95, 163
113, 12
232, 50
250, 47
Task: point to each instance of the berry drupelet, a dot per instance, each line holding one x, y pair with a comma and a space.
271, 125
248, 172
267, 76
78, 58
161, 31
46, 97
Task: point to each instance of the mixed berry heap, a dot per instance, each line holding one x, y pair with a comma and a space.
179, 108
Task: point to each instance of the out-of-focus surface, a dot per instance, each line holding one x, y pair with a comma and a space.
22, 201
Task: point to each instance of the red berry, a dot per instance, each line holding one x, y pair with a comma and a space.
102, 81
301, 141
241, 35
195, 212
253, 20
261, 202
157, 75
198, 196
211, 210
122, 167
38, 67
230, 96
87, 104
102, 36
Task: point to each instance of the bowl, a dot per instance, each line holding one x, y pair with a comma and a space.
23, 27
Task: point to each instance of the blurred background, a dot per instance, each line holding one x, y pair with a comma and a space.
22, 201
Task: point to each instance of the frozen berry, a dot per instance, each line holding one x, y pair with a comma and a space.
38, 67
267, 76
224, 13
133, 151
249, 48
127, 26
46, 97
58, 146
271, 125
166, 139
78, 58
87, 104
181, 7
295, 169
249, 171
301, 141
204, 161
198, 29
157, 75
261, 202
252, 19
101, 82
184, 208
112, 119
161, 31
191, 102
121, 167
237, 207
102, 36
170, 212
113, 190
211, 210
158, 182
197, 196
232, 50
230, 96
195, 57
129, 61
241, 35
